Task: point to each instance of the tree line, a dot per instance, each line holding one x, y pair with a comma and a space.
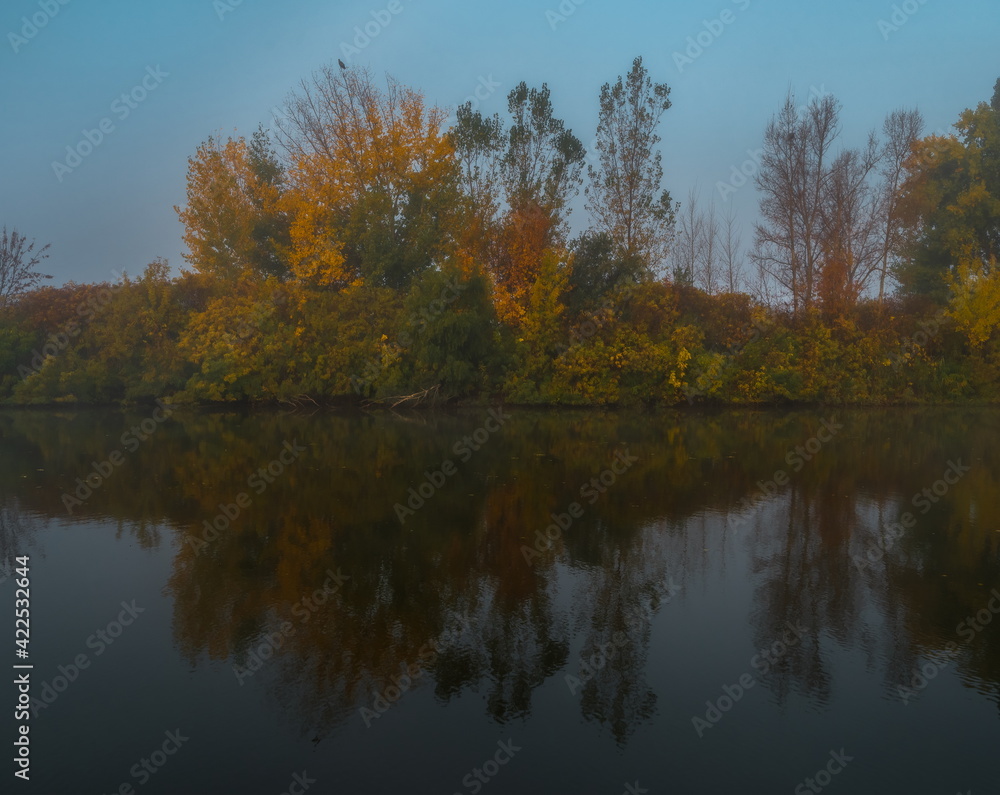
363, 249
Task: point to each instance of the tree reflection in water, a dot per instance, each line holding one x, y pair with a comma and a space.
448, 593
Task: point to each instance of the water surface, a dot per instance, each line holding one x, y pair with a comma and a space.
722, 602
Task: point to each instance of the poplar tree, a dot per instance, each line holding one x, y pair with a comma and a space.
625, 196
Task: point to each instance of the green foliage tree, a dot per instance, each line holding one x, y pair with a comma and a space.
454, 330
951, 207
479, 143
599, 267
518, 181
625, 195
543, 164
270, 233
124, 349
379, 255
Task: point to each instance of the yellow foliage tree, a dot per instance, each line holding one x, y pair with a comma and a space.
975, 302
233, 223
374, 181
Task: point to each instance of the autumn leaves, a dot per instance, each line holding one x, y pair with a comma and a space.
315, 246
362, 201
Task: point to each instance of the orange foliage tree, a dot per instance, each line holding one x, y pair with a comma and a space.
518, 182
373, 181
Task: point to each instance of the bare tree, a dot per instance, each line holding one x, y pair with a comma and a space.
760, 285
687, 245
707, 251
708, 257
731, 251
830, 224
792, 178
901, 129
851, 226
19, 262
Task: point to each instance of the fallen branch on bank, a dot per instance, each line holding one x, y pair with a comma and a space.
431, 394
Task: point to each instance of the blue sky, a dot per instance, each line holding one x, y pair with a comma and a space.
223, 65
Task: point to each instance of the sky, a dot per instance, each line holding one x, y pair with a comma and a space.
103, 101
